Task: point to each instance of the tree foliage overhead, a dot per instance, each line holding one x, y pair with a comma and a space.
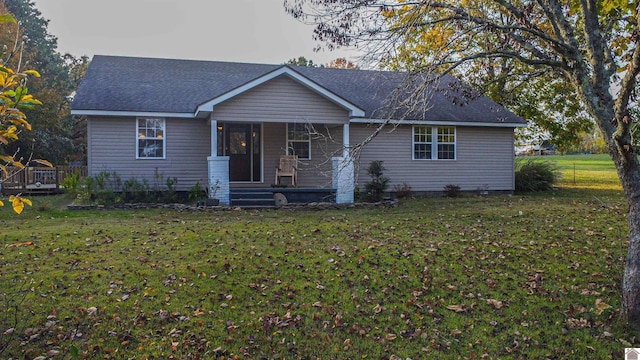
487, 44
570, 56
55, 134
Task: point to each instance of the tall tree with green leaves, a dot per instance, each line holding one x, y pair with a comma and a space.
586, 48
301, 61
52, 137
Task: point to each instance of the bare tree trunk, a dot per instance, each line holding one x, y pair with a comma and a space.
631, 281
629, 173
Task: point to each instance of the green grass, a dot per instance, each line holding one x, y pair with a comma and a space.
585, 171
525, 276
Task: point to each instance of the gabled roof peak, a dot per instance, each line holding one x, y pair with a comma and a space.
283, 70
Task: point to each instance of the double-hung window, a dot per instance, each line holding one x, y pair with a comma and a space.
299, 140
434, 142
151, 142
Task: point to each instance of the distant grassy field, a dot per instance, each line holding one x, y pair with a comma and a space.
525, 276
584, 171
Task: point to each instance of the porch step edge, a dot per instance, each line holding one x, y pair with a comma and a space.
256, 207
252, 202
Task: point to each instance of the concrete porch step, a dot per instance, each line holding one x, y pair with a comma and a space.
252, 198
278, 196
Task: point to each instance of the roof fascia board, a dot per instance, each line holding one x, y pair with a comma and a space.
131, 113
439, 123
284, 70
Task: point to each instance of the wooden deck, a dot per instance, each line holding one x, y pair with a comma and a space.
38, 180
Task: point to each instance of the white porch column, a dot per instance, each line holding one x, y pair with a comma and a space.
218, 170
343, 171
214, 138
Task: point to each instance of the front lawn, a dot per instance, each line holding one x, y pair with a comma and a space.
531, 276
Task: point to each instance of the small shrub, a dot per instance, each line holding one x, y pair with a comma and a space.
452, 191
357, 193
157, 180
108, 180
44, 206
532, 175
378, 184
86, 190
170, 194
163, 189
197, 193
101, 188
402, 191
136, 191
72, 183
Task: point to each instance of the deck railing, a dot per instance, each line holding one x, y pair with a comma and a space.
34, 179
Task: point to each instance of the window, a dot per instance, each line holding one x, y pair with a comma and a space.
434, 143
151, 136
446, 143
422, 142
298, 141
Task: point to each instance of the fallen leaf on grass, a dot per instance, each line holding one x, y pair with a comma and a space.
496, 304
625, 342
28, 243
457, 308
574, 323
601, 306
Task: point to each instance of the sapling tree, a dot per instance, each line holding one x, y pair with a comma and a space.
374, 189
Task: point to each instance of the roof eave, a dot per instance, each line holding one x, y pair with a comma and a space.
85, 112
361, 120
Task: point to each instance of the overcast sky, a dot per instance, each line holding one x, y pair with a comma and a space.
256, 31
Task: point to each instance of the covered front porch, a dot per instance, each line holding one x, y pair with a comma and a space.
242, 165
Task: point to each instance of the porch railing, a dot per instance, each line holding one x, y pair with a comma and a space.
37, 179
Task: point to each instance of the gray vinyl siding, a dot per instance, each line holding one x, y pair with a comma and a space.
112, 148
317, 171
280, 100
484, 159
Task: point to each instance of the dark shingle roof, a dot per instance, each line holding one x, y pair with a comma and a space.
114, 83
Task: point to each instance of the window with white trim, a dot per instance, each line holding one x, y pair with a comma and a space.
434, 142
151, 138
298, 140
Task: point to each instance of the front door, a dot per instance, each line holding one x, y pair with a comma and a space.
242, 144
